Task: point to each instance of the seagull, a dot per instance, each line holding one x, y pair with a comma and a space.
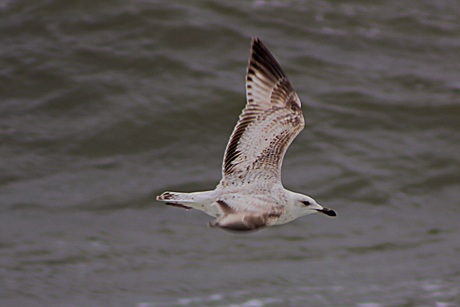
250, 195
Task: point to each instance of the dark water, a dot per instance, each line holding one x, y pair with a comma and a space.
105, 104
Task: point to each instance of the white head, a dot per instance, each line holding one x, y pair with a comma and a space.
304, 205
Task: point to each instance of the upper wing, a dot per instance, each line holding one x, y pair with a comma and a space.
268, 124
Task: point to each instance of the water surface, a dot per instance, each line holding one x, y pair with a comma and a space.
105, 104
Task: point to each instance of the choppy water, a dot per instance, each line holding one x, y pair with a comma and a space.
104, 104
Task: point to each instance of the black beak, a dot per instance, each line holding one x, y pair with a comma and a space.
328, 212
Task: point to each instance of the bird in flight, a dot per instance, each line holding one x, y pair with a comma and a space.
250, 194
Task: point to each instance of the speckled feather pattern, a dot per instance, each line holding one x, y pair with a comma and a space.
250, 194
268, 124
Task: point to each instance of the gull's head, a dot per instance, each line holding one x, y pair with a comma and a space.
307, 205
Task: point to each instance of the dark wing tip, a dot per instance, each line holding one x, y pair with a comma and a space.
262, 60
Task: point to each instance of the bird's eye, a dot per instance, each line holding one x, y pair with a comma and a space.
306, 203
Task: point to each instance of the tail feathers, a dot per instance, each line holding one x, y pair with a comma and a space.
176, 197
197, 200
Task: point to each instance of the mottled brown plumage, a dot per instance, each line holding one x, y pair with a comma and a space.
268, 124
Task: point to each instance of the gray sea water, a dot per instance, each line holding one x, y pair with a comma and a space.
105, 104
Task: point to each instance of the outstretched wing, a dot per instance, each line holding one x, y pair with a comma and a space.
268, 124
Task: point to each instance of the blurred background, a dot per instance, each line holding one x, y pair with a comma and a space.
105, 104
